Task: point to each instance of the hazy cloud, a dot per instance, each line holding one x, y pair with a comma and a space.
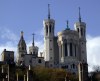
41, 32
5, 33
93, 50
12, 41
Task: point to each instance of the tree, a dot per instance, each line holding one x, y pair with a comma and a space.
53, 74
96, 68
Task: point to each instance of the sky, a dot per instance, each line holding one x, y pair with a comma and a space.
28, 16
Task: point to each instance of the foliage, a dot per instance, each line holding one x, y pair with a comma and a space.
52, 74
96, 68
43, 74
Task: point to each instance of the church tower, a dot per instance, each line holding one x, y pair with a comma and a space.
22, 49
33, 49
80, 27
49, 39
83, 71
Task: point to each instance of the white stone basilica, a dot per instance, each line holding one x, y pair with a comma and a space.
65, 50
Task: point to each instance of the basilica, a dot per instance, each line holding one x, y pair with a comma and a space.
66, 50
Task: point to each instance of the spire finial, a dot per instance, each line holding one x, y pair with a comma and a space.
79, 15
68, 25
48, 11
33, 39
22, 33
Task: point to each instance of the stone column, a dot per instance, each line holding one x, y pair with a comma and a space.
63, 49
77, 51
62, 52
68, 49
73, 50
17, 76
24, 77
83, 71
2, 73
29, 74
8, 73
2, 69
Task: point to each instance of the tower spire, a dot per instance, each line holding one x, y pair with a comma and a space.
79, 15
68, 25
33, 39
48, 11
22, 33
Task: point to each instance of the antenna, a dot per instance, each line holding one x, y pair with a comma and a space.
33, 39
68, 25
48, 11
79, 15
22, 33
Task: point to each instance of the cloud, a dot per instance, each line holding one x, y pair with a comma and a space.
41, 32
12, 40
93, 50
5, 33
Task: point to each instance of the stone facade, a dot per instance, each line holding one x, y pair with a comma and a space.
66, 49
29, 59
72, 47
83, 71
33, 61
22, 49
7, 56
49, 41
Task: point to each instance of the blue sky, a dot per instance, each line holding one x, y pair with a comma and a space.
28, 15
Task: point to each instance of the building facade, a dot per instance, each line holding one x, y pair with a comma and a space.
66, 50
31, 58
7, 56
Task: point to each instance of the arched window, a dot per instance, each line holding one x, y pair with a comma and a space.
46, 29
82, 31
22, 48
71, 51
61, 51
75, 50
39, 61
78, 30
66, 52
30, 61
33, 52
50, 28
67, 66
73, 66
